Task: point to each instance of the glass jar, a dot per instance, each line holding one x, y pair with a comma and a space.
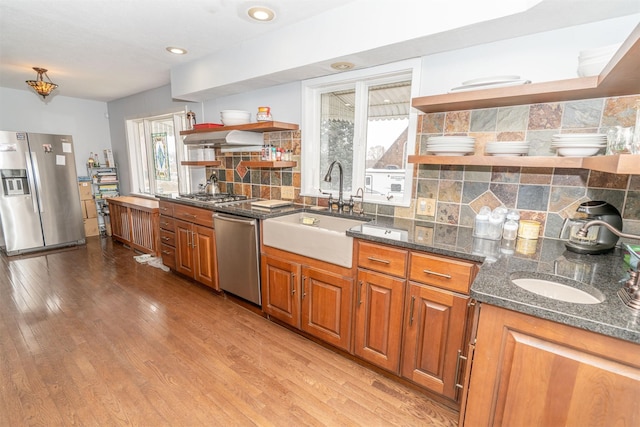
264, 114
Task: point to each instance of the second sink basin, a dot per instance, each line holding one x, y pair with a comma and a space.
558, 288
321, 237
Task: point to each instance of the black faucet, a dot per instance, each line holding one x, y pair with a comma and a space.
327, 178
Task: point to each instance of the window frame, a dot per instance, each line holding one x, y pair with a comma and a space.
312, 90
134, 149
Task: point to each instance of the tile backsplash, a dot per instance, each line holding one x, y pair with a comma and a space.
545, 194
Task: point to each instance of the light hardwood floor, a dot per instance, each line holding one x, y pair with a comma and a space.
90, 337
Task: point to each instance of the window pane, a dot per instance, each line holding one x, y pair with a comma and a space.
336, 137
165, 165
387, 133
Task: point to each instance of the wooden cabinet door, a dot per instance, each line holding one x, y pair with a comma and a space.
204, 254
528, 371
326, 306
433, 333
280, 290
184, 248
378, 319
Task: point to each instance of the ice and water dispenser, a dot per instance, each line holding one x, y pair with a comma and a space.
14, 182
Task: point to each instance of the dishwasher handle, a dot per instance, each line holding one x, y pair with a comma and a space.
234, 218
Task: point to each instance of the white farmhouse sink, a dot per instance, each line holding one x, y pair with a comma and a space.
323, 238
550, 287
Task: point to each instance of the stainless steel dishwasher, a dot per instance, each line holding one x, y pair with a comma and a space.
237, 249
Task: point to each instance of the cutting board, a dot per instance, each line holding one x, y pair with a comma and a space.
270, 204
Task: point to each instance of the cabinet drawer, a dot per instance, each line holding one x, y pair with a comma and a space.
382, 258
198, 216
166, 208
167, 223
168, 256
444, 273
167, 238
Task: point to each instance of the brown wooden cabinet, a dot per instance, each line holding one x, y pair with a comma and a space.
528, 371
188, 243
378, 318
306, 295
134, 222
280, 289
434, 329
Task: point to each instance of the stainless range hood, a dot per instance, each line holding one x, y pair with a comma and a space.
228, 141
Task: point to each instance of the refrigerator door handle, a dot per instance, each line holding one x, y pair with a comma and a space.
31, 182
36, 176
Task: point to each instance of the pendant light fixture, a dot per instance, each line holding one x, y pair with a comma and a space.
43, 88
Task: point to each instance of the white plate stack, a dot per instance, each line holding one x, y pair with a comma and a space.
507, 148
578, 144
490, 82
451, 145
592, 61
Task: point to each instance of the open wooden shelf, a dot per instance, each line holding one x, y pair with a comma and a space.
271, 126
619, 163
619, 77
267, 164
201, 163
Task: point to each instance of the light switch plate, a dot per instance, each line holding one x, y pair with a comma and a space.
426, 207
286, 192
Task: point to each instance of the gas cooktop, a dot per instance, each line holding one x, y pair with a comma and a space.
213, 198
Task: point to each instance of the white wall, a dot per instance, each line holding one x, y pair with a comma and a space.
86, 121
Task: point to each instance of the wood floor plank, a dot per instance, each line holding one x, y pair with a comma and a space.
91, 337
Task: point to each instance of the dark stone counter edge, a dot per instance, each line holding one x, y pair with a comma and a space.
534, 307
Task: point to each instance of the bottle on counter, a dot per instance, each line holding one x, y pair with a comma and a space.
91, 161
481, 226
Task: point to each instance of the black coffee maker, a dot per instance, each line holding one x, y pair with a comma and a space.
599, 239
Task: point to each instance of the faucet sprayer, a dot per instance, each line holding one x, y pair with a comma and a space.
327, 178
630, 293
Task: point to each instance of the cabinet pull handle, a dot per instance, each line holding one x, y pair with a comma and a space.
166, 252
164, 224
193, 239
435, 273
304, 279
460, 357
413, 301
383, 261
293, 284
360, 292
165, 238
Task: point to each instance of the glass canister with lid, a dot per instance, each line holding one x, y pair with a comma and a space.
264, 114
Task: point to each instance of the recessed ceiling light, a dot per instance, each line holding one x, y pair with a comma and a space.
176, 50
342, 66
261, 13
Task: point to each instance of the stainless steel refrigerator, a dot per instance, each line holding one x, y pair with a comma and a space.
39, 198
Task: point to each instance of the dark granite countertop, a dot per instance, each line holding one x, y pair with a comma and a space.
542, 259
493, 284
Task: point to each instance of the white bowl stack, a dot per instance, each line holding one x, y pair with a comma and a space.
451, 145
507, 148
235, 117
592, 61
579, 144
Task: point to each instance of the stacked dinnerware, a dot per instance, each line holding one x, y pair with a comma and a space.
579, 144
507, 148
592, 61
489, 83
451, 145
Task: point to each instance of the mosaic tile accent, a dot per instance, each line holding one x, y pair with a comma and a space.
456, 122
545, 116
620, 111
582, 114
533, 197
607, 180
450, 191
472, 190
512, 118
448, 213
562, 198
506, 193
483, 120
433, 123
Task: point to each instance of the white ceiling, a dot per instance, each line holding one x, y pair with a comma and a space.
109, 49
